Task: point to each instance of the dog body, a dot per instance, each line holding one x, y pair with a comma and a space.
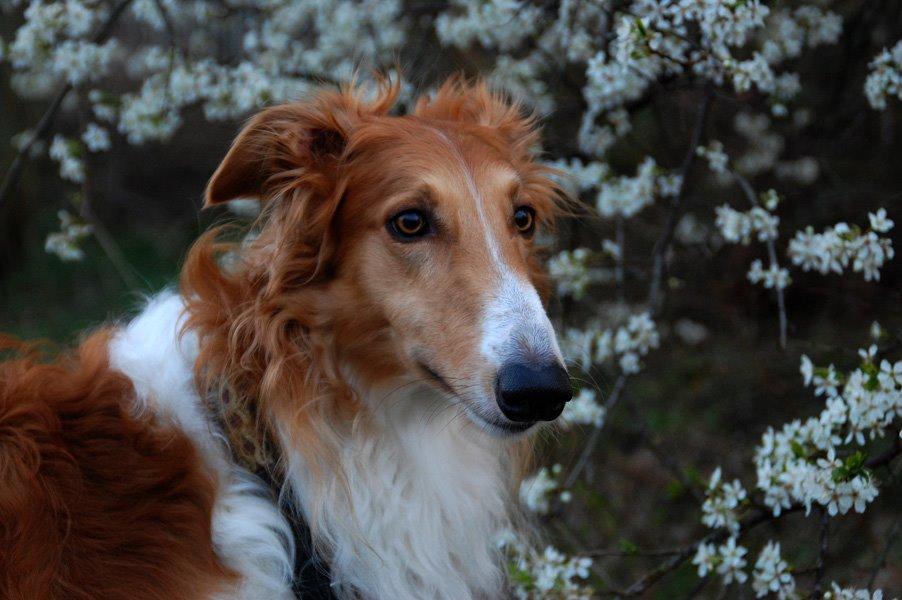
379, 343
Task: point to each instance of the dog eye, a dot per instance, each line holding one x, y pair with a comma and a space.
525, 220
408, 225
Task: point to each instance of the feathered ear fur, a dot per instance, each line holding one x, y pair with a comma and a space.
257, 349
458, 100
293, 146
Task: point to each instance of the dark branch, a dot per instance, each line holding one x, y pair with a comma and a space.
662, 246
43, 127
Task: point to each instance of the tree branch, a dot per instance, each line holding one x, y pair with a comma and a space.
592, 441
662, 246
749, 192
881, 560
43, 127
821, 554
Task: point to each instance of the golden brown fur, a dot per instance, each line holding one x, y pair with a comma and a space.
95, 502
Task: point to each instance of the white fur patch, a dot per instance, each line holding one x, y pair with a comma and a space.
428, 501
249, 533
515, 325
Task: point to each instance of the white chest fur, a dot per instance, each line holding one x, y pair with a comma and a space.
426, 500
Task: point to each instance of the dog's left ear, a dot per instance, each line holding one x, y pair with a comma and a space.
292, 146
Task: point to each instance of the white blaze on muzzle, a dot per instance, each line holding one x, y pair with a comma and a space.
515, 327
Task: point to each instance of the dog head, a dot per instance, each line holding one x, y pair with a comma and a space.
411, 241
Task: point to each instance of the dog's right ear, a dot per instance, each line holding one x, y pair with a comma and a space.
286, 147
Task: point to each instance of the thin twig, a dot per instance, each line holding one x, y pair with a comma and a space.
592, 440
109, 246
170, 28
43, 127
881, 560
620, 233
23, 154
823, 546
749, 192
662, 246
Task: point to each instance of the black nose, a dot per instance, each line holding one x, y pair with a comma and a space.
531, 392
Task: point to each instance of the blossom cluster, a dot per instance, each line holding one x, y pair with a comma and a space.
549, 574
838, 246
625, 196
773, 277
572, 272
286, 45
739, 227
722, 503
727, 560
537, 491
627, 343
584, 409
821, 460
65, 242
837, 592
68, 153
772, 574
885, 79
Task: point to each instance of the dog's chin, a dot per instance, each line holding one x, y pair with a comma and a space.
500, 427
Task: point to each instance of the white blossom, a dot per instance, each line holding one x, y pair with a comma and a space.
79, 61
816, 461
879, 221
493, 23
578, 176
691, 332
840, 593
65, 242
731, 561
885, 78
705, 558
722, 502
571, 270
584, 409
96, 138
718, 161
804, 170
738, 227
68, 154
626, 196
774, 277
842, 245
536, 491
771, 574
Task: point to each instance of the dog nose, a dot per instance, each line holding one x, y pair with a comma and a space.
527, 392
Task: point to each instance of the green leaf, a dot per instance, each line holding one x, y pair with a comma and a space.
627, 546
798, 450
853, 466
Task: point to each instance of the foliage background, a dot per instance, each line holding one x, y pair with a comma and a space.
692, 408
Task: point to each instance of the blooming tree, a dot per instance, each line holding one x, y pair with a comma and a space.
130, 71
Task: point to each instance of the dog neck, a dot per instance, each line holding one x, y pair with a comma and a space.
416, 502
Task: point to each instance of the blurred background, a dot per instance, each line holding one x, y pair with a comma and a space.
703, 402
